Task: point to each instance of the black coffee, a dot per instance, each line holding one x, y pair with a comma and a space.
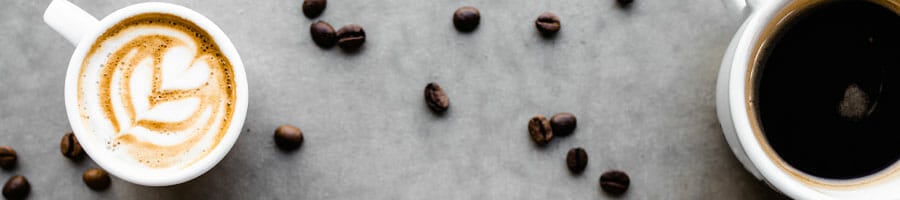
828, 90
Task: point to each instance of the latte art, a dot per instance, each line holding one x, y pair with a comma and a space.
156, 89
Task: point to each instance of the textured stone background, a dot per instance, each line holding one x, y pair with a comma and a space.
640, 80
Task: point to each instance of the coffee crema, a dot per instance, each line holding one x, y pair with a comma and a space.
157, 90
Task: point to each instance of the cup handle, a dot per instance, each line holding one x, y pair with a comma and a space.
69, 20
744, 6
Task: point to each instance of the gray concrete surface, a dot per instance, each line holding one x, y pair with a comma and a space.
640, 80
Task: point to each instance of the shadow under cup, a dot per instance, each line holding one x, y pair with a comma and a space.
824, 91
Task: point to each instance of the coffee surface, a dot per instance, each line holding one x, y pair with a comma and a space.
157, 91
828, 88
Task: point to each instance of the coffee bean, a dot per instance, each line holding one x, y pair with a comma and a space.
8, 157
288, 137
70, 147
313, 8
17, 187
351, 37
539, 129
563, 124
547, 24
436, 98
624, 3
576, 160
466, 18
96, 179
322, 34
614, 182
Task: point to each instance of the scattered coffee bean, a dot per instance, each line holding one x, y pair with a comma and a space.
96, 179
624, 3
322, 34
70, 147
17, 187
466, 18
539, 129
614, 182
351, 37
547, 24
435, 98
576, 160
8, 157
313, 8
563, 124
288, 137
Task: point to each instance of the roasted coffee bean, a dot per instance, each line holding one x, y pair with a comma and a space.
96, 179
70, 147
322, 34
351, 37
539, 129
436, 98
8, 157
313, 8
466, 18
288, 137
576, 160
563, 124
547, 24
624, 3
614, 182
17, 187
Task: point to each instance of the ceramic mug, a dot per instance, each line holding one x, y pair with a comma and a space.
82, 30
737, 115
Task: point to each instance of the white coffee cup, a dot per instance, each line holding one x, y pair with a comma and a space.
740, 124
82, 30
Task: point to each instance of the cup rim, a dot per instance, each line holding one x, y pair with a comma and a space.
755, 22
747, 134
96, 150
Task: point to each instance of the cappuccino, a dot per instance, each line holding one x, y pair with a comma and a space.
157, 91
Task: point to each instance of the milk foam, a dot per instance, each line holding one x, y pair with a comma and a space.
157, 91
